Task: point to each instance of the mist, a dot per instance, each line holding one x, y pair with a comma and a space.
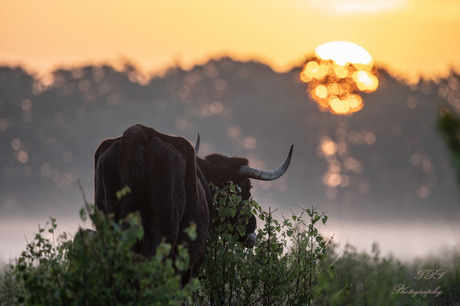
397, 187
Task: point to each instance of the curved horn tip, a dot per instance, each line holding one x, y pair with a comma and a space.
267, 175
290, 151
287, 162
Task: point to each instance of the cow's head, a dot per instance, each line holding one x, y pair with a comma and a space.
220, 170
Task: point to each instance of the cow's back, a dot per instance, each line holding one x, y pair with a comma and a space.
166, 189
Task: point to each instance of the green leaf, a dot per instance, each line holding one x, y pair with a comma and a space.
123, 192
191, 231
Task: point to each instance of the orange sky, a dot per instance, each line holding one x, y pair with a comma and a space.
408, 36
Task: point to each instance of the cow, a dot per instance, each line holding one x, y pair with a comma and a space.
169, 187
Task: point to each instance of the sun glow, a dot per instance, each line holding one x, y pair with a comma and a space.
343, 53
336, 76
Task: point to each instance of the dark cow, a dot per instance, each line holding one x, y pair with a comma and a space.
169, 187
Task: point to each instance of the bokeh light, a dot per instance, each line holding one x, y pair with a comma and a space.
337, 75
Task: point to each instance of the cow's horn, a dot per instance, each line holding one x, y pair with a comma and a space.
197, 144
266, 175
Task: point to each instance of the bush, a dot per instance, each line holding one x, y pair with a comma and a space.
284, 267
288, 264
95, 270
369, 279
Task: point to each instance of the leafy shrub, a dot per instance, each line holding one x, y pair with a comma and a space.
282, 268
95, 270
369, 279
288, 264
449, 126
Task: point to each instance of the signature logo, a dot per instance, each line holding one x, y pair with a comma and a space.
431, 273
404, 289
421, 274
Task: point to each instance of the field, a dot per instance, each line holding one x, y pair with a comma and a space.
291, 264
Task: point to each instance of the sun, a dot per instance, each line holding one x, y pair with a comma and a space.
337, 76
343, 52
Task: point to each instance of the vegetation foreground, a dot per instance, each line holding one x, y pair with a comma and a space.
291, 264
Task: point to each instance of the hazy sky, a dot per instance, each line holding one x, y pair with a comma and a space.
407, 36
